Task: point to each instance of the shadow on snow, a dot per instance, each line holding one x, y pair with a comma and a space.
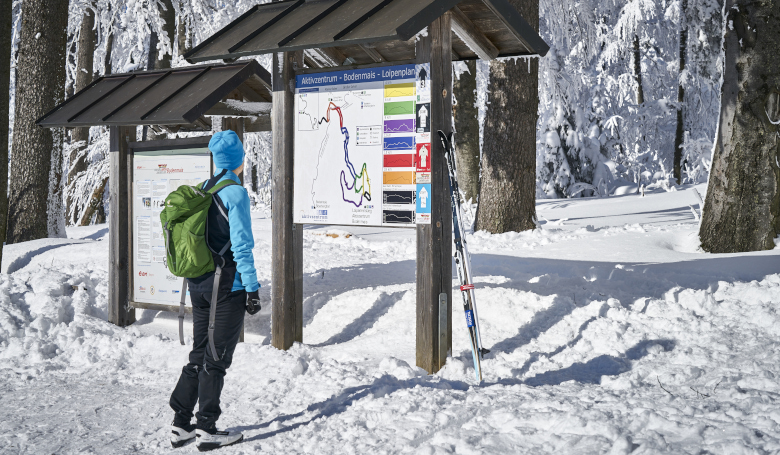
589, 372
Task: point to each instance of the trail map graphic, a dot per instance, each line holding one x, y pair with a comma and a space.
354, 142
360, 184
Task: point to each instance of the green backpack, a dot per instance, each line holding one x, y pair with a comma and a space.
188, 255
184, 225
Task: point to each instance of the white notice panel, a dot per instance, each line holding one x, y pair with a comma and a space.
155, 175
355, 147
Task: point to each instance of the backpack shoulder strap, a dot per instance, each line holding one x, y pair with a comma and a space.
210, 183
216, 188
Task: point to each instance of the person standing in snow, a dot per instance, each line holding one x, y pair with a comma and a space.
202, 378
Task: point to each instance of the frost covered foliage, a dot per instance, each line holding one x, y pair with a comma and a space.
82, 188
130, 24
259, 151
701, 80
603, 124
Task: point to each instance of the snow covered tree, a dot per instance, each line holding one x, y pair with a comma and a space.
700, 80
742, 208
576, 105
679, 134
466, 117
168, 19
84, 74
609, 93
183, 31
507, 193
35, 200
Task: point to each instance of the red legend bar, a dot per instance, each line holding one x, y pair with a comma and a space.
399, 160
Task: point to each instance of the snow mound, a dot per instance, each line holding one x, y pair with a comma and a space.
606, 336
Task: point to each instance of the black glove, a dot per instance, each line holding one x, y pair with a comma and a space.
252, 302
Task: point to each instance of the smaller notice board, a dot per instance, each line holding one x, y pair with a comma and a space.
362, 147
155, 175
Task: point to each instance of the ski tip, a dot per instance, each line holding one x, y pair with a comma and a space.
446, 139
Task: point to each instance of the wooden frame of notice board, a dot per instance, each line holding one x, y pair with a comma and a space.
165, 147
434, 234
197, 146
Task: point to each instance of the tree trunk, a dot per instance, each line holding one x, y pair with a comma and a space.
679, 134
70, 81
169, 16
466, 116
507, 190
6, 11
40, 85
742, 209
640, 92
55, 200
95, 205
109, 50
84, 73
184, 40
150, 65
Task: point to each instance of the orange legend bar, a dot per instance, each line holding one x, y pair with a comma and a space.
399, 178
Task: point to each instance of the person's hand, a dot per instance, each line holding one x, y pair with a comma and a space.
252, 302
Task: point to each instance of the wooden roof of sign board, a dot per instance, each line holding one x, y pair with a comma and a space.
354, 32
178, 96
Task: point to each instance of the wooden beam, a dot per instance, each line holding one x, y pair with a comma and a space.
260, 85
434, 241
352, 67
172, 129
310, 61
522, 30
472, 36
257, 124
119, 311
287, 237
250, 94
236, 108
160, 307
166, 144
328, 56
373, 53
203, 123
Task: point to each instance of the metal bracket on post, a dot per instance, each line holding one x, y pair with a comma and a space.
442, 329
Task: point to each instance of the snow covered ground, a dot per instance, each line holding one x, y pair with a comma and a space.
610, 332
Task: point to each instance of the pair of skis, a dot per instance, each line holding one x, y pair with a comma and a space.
462, 259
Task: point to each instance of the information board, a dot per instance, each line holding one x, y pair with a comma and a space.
362, 145
155, 175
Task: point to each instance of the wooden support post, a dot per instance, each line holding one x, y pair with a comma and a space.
434, 241
287, 237
119, 311
235, 124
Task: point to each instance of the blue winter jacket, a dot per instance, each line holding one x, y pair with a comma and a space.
236, 201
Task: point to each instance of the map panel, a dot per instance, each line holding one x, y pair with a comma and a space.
355, 147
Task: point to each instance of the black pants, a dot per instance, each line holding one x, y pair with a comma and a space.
202, 378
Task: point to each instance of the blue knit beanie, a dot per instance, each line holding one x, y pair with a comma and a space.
227, 150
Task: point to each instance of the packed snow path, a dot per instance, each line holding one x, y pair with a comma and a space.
610, 333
